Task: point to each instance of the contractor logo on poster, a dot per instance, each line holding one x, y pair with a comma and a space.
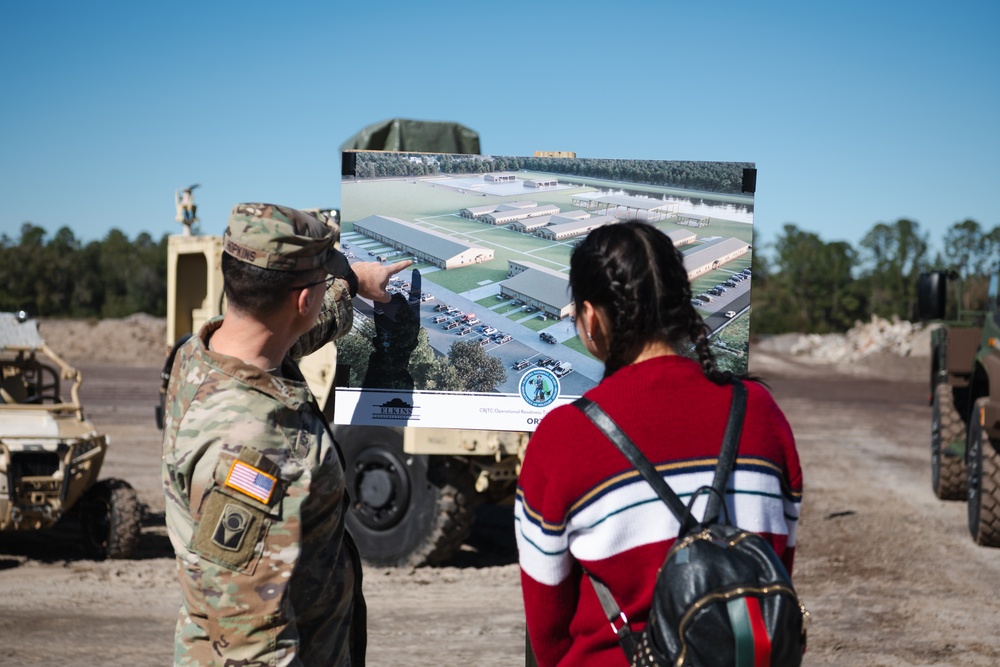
395, 410
539, 387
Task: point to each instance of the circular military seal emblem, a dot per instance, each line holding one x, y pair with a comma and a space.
539, 387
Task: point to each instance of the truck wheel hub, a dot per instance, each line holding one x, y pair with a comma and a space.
376, 488
381, 488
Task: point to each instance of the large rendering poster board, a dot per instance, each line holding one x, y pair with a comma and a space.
480, 332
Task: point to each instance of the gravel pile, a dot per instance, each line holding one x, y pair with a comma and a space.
883, 348
896, 337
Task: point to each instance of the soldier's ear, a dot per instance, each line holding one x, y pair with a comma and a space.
303, 300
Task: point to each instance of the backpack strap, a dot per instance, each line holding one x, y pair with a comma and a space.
619, 439
727, 457
615, 615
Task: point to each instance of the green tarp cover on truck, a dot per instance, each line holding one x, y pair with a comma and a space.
414, 136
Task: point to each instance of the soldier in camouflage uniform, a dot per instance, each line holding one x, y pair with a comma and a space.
255, 497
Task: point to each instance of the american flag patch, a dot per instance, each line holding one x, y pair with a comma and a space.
249, 480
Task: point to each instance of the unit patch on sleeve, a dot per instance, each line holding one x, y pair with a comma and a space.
251, 481
232, 527
229, 531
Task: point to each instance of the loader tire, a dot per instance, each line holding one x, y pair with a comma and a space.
984, 483
947, 469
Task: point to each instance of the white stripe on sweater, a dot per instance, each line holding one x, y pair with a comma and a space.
633, 516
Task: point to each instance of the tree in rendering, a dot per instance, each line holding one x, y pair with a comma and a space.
477, 370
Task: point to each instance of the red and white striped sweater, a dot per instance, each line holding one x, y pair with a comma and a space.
579, 501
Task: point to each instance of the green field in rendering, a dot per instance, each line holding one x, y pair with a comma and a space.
431, 205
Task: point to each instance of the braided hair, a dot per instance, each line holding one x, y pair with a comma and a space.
634, 274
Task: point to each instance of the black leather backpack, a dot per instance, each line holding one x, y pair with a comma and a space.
722, 595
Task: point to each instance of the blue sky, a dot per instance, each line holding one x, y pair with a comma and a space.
855, 112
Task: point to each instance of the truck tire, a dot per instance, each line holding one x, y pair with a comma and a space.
984, 483
947, 471
406, 510
110, 520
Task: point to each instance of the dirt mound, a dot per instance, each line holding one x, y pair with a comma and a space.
136, 340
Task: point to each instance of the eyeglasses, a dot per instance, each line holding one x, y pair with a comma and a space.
328, 280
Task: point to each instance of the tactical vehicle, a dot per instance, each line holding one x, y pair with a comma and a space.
414, 490
965, 400
50, 454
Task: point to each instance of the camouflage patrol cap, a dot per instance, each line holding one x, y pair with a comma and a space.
277, 237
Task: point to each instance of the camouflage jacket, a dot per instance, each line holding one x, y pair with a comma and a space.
255, 510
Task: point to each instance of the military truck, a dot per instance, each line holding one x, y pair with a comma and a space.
50, 454
414, 490
965, 400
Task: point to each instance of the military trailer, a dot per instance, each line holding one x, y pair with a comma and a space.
965, 400
414, 490
50, 454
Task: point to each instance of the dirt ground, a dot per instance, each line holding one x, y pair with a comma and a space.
888, 572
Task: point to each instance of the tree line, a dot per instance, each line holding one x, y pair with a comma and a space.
60, 276
721, 177
806, 284
800, 282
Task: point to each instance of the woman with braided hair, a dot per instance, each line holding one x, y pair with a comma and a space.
577, 507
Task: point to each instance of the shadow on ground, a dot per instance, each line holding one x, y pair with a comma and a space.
63, 542
491, 542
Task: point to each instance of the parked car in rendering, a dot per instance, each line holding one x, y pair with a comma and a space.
563, 368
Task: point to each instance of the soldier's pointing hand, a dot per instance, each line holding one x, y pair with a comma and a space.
373, 277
